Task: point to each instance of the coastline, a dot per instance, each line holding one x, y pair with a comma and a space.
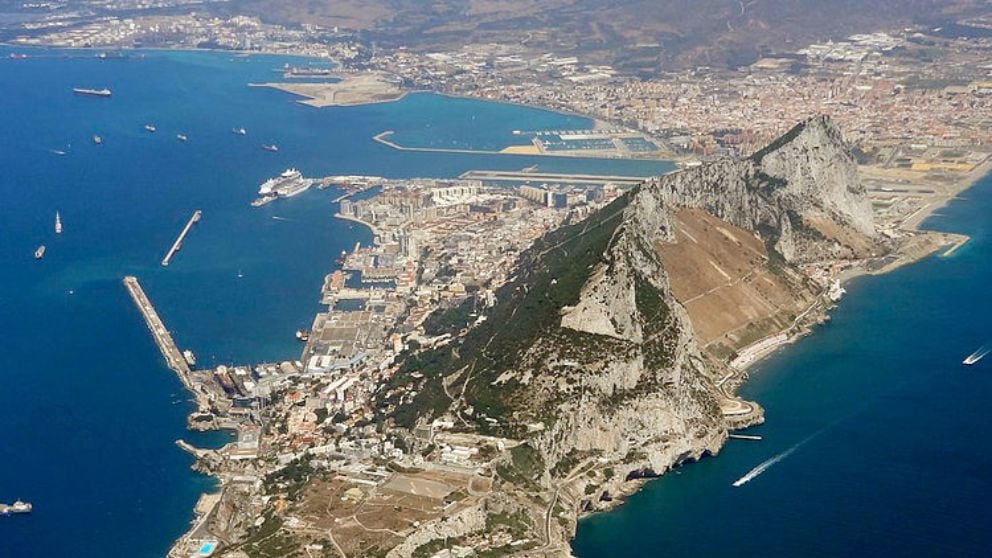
928, 242
913, 223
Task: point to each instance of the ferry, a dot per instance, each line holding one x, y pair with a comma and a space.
58, 223
150, 128
40, 252
92, 92
16, 507
240, 132
181, 137
271, 147
97, 139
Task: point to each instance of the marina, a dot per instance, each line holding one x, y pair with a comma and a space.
178, 244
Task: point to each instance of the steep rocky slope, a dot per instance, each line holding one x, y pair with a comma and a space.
590, 358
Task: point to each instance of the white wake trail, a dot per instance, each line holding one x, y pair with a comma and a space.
767, 464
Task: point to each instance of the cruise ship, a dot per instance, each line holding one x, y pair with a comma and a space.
16, 507
92, 92
288, 184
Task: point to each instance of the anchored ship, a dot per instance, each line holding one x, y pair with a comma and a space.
92, 92
58, 223
16, 507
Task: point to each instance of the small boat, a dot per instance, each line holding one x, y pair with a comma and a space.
190, 357
271, 147
83, 92
58, 223
240, 275
976, 356
16, 507
240, 131
302, 335
18, 56
40, 252
150, 128
58, 152
181, 137
97, 139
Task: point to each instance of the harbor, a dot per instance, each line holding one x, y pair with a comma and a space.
178, 244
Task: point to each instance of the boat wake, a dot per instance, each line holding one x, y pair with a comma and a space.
976, 356
768, 463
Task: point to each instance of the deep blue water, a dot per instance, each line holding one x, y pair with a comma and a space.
890, 432
88, 410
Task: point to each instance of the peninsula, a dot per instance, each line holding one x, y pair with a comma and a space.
516, 358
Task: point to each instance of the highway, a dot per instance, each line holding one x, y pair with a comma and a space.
516, 176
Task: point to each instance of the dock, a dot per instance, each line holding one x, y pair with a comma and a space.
179, 241
173, 356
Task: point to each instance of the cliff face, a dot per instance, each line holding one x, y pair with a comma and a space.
590, 358
784, 193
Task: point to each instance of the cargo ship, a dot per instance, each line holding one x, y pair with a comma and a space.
288, 184
92, 92
16, 507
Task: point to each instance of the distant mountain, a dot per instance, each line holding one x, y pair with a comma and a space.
605, 351
636, 35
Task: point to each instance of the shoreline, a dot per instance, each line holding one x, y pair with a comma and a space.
914, 224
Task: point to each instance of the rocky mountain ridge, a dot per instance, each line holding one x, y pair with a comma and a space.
592, 362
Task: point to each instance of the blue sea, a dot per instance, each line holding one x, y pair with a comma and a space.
88, 411
877, 440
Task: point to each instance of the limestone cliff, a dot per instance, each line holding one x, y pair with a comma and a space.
591, 360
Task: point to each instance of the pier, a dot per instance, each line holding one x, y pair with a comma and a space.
179, 241
173, 356
752, 437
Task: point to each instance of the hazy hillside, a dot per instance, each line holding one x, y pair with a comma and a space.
635, 34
